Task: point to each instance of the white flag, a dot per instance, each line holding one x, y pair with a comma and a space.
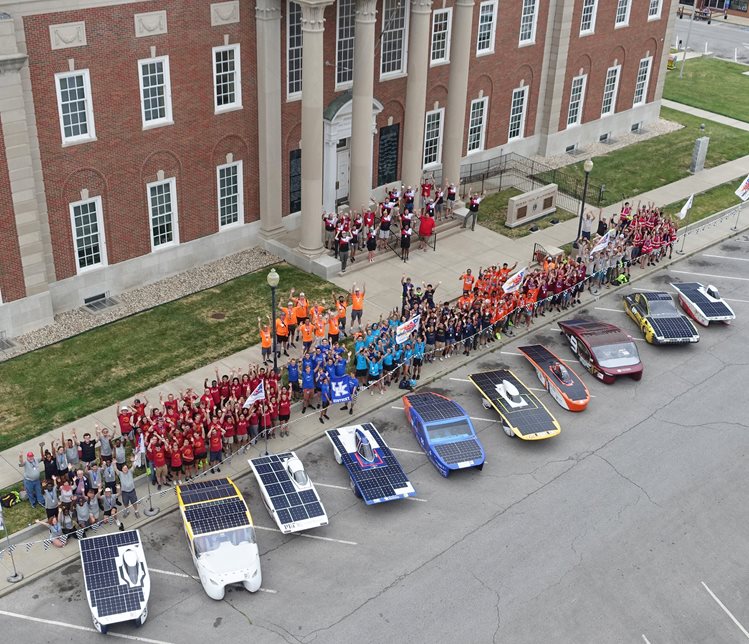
685, 208
514, 282
743, 190
257, 394
603, 242
404, 331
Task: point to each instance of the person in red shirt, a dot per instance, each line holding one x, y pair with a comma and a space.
201, 451
227, 422
215, 435
426, 192
426, 228
158, 458
125, 420
188, 458
175, 462
214, 390
284, 411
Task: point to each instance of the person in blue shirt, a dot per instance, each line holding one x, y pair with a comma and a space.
340, 366
325, 398
418, 357
397, 360
353, 389
374, 363
408, 353
361, 363
292, 373
388, 364
307, 361
308, 388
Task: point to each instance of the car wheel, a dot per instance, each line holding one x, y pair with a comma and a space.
354, 489
636, 376
101, 628
508, 430
142, 619
337, 456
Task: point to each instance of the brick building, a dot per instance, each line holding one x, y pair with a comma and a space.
138, 139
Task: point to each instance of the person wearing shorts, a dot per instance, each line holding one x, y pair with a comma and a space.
284, 412
214, 441
451, 191
175, 462
357, 304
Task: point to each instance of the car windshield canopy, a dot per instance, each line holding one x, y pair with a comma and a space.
622, 354
662, 308
449, 430
206, 543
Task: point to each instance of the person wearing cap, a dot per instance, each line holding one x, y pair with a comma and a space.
31, 478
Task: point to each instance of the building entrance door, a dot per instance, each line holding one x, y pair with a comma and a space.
343, 160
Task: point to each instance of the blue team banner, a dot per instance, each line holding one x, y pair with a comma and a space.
341, 389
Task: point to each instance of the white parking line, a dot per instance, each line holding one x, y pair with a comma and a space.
602, 308
726, 611
731, 300
308, 536
645, 639
343, 487
738, 259
510, 353
396, 407
172, 573
488, 420
76, 627
724, 277
460, 379
407, 451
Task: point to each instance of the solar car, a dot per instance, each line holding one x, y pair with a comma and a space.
444, 431
703, 303
557, 378
116, 578
603, 349
375, 474
221, 536
288, 493
656, 315
523, 415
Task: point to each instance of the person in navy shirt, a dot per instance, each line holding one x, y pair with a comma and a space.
308, 387
325, 398
292, 372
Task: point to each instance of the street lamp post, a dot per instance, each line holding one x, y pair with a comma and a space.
686, 44
588, 167
273, 279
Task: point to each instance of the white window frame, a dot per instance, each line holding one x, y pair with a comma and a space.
343, 65
627, 5
654, 10
492, 28
237, 103
484, 101
443, 60
240, 193
592, 5
172, 182
438, 161
614, 91
167, 118
89, 109
579, 104
100, 230
295, 94
527, 5
396, 73
641, 83
521, 129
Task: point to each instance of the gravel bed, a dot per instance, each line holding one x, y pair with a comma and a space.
139, 299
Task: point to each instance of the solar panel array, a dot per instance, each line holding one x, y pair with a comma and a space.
691, 290
432, 407
105, 592
545, 359
676, 328
656, 296
212, 516
290, 505
375, 483
206, 491
529, 419
459, 452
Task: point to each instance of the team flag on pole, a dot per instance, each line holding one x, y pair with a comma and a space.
685, 208
743, 190
257, 394
404, 331
514, 282
603, 242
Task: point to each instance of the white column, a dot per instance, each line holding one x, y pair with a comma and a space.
416, 90
268, 28
361, 115
313, 26
330, 168
17, 139
457, 93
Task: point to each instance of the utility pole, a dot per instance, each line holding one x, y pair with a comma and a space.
686, 44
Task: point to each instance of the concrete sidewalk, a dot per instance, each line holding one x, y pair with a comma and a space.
704, 114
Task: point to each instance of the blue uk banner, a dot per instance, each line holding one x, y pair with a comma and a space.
341, 389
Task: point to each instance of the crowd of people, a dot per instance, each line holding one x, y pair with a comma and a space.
397, 215
81, 482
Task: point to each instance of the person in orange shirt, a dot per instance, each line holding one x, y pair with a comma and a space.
265, 340
282, 334
301, 307
308, 335
357, 304
320, 325
291, 320
468, 281
333, 330
465, 301
340, 306
505, 271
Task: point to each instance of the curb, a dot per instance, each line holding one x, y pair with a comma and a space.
389, 398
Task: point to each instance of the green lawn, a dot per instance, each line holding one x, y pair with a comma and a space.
493, 215
44, 389
711, 84
708, 203
663, 159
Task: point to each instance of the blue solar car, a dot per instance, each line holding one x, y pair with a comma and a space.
444, 431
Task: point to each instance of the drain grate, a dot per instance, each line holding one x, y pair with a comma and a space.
5, 344
98, 303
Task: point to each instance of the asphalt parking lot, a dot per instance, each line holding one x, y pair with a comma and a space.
630, 526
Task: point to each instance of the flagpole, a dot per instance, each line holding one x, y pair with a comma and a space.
684, 236
16, 576
265, 430
738, 214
